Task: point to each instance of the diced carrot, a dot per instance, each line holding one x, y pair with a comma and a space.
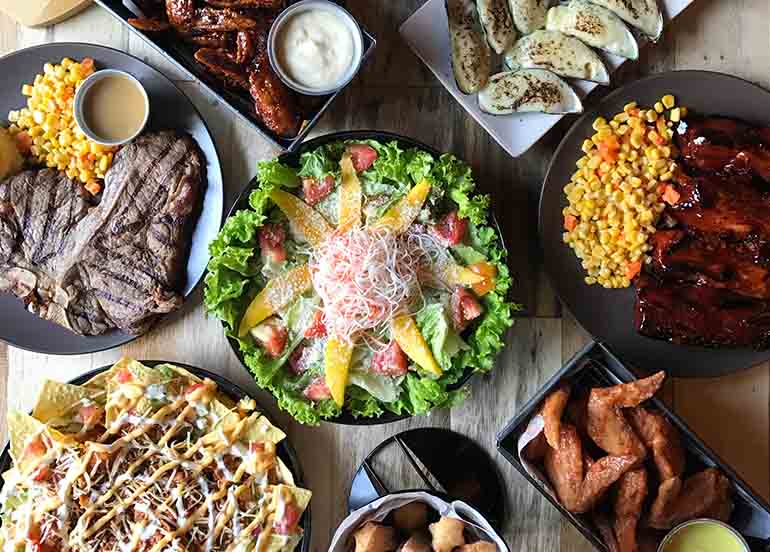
609, 150
87, 64
661, 188
659, 140
632, 269
634, 112
670, 195
570, 222
23, 141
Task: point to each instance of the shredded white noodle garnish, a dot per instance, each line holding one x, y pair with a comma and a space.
367, 277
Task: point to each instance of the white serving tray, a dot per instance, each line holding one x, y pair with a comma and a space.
427, 35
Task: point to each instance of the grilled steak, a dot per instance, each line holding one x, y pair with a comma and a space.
116, 264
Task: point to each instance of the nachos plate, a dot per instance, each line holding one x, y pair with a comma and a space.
148, 459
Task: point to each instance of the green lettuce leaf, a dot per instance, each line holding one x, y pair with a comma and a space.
437, 330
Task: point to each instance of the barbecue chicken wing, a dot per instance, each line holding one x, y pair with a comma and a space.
632, 491
607, 425
705, 494
552, 411
578, 481
661, 438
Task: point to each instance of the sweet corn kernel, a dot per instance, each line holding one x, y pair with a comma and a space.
616, 196
48, 119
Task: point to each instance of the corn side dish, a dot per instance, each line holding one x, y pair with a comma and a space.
620, 188
46, 130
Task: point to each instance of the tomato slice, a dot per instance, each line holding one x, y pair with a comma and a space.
465, 308
288, 522
192, 388
363, 156
317, 390
271, 240
392, 361
451, 229
124, 375
314, 191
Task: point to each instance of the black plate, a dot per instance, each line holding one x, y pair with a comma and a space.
285, 450
169, 109
607, 314
596, 366
238, 101
292, 159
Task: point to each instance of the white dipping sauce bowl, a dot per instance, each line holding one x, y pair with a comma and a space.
308, 5
82, 93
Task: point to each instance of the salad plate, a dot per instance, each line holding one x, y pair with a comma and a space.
408, 345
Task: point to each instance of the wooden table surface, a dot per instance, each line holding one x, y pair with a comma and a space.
395, 92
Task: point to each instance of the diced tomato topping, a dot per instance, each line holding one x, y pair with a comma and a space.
488, 271
632, 269
317, 327
23, 141
391, 361
670, 195
42, 473
451, 229
89, 414
317, 390
296, 364
192, 388
35, 448
272, 335
315, 191
570, 222
124, 375
255, 446
362, 156
271, 239
609, 150
288, 522
465, 307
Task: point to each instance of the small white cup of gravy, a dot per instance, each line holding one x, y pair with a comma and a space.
111, 107
315, 47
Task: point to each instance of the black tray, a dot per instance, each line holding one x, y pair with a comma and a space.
285, 450
238, 101
597, 365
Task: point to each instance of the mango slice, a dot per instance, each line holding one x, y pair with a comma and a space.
401, 215
408, 336
336, 365
305, 220
278, 293
350, 196
457, 275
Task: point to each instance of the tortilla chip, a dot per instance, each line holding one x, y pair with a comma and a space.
283, 543
301, 497
259, 429
180, 371
284, 473
56, 400
21, 428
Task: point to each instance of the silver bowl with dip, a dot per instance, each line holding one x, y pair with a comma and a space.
315, 47
703, 535
111, 107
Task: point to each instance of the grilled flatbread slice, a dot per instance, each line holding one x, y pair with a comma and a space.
559, 53
497, 23
470, 53
526, 90
645, 15
594, 25
529, 15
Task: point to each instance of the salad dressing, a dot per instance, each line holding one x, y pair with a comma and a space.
316, 49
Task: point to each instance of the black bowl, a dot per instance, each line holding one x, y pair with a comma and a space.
285, 451
292, 159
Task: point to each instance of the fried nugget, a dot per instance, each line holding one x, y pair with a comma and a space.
447, 534
374, 537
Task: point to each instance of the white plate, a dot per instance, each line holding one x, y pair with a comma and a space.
427, 35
